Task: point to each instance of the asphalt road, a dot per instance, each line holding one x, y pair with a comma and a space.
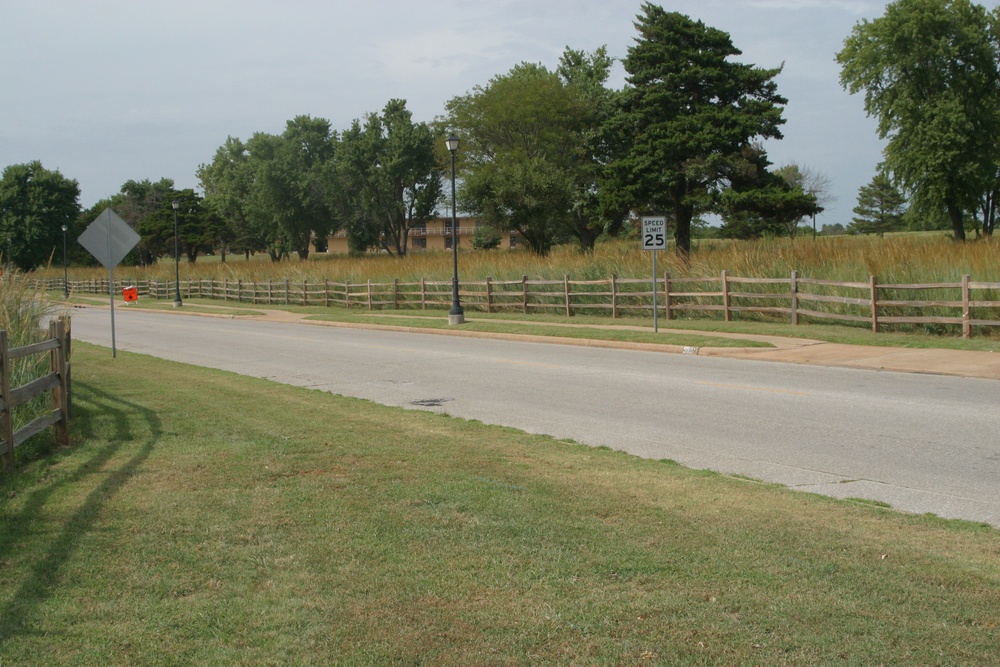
922, 443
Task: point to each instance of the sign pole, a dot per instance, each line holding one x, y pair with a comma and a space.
654, 237
656, 326
108, 238
111, 289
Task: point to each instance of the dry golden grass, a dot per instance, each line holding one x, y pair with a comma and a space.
903, 258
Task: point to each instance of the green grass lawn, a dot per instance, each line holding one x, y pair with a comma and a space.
204, 518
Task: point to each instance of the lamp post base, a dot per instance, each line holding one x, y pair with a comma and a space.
178, 303
456, 319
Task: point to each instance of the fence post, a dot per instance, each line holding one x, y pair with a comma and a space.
489, 294
288, 287
795, 298
239, 290
370, 306
524, 289
569, 311
395, 293
666, 296
874, 294
67, 356
305, 292
725, 294
57, 330
347, 294
614, 295
326, 292
6, 421
966, 308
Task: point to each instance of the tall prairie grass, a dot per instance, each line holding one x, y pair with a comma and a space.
24, 311
905, 258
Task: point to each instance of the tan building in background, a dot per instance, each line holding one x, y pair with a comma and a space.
434, 235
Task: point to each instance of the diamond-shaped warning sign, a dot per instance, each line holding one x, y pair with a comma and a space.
109, 238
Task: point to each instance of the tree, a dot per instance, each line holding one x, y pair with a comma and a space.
760, 202
198, 226
292, 185
803, 187
928, 69
773, 209
880, 207
34, 205
521, 149
228, 183
595, 208
135, 202
813, 183
389, 177
690, 111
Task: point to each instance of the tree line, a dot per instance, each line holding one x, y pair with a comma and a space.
558, 156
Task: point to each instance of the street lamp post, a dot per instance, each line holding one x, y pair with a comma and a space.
177, 259
456, 315
65, 266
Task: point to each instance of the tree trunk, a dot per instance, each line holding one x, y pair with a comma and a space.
682, 231
957, 224
587, 237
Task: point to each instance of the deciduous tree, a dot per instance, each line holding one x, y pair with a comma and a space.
292, 185
595, 209
389, 178
35, 203
228, 183
928, 71
522, 144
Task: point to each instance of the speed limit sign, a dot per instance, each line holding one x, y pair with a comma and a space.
654, 232
654, 237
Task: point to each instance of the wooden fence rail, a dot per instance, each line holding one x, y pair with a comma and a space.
57, 381
964, 305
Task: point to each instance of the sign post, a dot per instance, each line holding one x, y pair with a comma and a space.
654, 237
109, 239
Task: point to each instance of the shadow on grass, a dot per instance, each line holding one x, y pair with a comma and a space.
117, 420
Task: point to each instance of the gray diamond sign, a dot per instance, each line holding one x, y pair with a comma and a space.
109, 238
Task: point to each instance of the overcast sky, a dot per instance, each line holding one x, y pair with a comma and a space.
107, 91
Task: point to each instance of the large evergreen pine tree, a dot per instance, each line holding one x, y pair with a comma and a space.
691, 111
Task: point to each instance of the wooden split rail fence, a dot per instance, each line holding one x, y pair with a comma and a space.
963, 305
57, 381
